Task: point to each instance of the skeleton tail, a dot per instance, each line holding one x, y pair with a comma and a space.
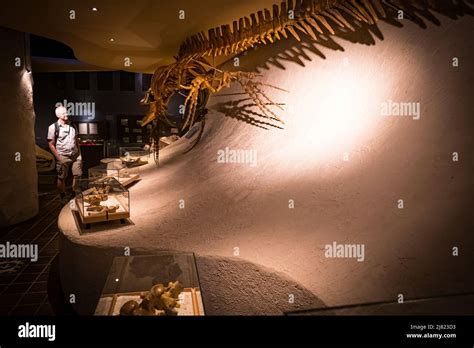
310, 17
292, 16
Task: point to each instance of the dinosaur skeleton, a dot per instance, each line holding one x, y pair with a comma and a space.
198, 78
191, 72
306, 16
310, 17
196, 75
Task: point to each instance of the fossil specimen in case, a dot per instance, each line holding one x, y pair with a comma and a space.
98, 195
101, 199
159, 301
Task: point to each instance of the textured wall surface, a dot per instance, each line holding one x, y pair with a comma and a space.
18, 180
333, 109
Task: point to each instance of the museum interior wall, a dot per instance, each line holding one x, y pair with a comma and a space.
18, 179
343, 164
109, 102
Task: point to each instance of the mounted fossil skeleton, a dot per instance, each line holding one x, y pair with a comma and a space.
196, 77
193, 74
306, 16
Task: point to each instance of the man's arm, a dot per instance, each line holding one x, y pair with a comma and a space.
52, 141
52, 147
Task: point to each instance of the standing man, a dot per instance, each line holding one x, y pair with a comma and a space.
64, 144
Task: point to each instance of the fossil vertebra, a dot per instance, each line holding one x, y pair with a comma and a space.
291, 17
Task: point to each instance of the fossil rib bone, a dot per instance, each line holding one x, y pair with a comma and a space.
269, 26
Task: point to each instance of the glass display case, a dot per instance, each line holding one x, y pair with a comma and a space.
131, 278
102, 200
133, 156
123, 174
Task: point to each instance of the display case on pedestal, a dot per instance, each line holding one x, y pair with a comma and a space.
133, 156
115, 169
154, 285
102, 200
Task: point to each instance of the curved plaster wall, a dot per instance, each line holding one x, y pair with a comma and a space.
18, 178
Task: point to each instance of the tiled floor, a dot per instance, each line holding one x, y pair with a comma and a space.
24, 289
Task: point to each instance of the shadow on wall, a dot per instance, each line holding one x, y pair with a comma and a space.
414, 11
243, 110
290, 50
229, 286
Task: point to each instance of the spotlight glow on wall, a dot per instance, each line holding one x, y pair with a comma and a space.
332, 112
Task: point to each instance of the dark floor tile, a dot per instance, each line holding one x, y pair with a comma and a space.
39, 287
5, 231
26, 239
9, 299
51, 245
4, 239
54, 245
35, 230
37, 298
17, 288
7, 279
4, 310
42, 241
25, 310
43, 277
32, 232
45, 309
34, 268
22, 264
50, 253
32, 276
55, 239
43, 260
26, 278
51, 234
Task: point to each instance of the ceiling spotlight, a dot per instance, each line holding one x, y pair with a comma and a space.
94, 9
111, 39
